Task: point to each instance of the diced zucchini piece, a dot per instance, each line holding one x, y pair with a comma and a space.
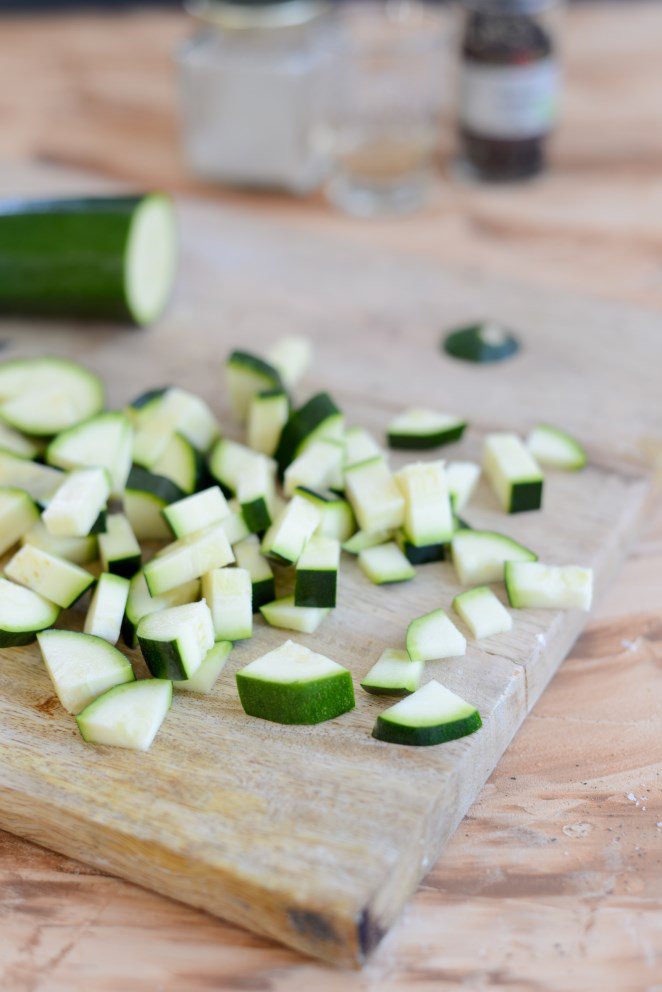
106, 609
433, 637
363, 540
360, 446
548, 587
553, 447
145, 497
79, 550
43, 396
317, 467
175, 641
228, 460
479, 555
23, 614
267, 415
118, 548
234, 525
283, 613
188, 558
486, 342
167, 412
482, 612
431, 715
128, 715
317, 572
81, 666
210, 668
255, 492
375, 496
291, 357
139, 402
512, 472
77, 503
385, 564
17, 444
18, 514
318, 418
140, 604
53, 578
462, 479
295, 685
197, 512
39, 481
419, 555
419, 429
229, 595
247, 554
104, 441
428, 511
337, 515
291, 529
180, 462
246, 375
395, 674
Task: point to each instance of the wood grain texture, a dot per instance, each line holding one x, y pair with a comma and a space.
317, 836
553, 882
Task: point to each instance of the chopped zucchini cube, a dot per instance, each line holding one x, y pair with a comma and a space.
294, 685
513, 473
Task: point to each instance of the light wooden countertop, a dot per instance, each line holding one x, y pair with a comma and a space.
554, 880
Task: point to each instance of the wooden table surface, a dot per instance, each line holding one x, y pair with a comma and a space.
554, 880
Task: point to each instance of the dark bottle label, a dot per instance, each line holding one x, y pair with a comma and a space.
509, 102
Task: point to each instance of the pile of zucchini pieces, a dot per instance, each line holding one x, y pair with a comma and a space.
80, 485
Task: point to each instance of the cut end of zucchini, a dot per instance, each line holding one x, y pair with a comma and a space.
482, 612
554, 448
247, 375
433, 637
294, 685
55, 579
285, 614
106, 610
23, 614
228, 593
128, 715
43, 396
548, 587
386, 564
150, 258
395, 674
479, 555
514, 474
482, 343
428, 511
375, 496
431, 715
82, 666
210, 668
175, 641
420, 429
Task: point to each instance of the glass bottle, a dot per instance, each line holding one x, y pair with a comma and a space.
509, 87
251, 85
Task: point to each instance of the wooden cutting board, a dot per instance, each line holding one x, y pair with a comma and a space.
316, 836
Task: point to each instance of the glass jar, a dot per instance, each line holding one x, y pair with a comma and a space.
508, 86
251, 89
387, 91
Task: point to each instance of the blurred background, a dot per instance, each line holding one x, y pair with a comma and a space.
521, 135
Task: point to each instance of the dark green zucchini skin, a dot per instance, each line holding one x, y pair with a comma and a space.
395, 733
65, 258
